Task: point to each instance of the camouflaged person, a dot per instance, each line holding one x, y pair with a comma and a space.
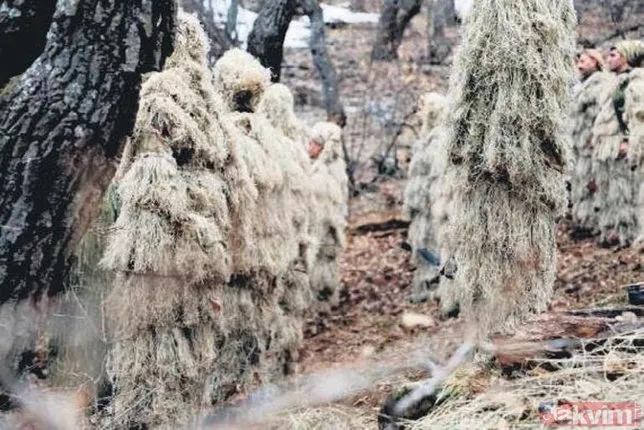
331, 185
617, 147
588, 96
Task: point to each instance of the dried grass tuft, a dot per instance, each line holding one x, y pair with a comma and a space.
332, 417
508, 146
477, 397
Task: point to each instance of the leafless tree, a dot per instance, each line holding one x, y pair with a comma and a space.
394, 18
438, 45
266, 42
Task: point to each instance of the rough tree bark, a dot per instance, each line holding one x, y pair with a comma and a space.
266, 42
22, 35
219, 40
317, 43
394, 18
358, 5
438, 46
62, 126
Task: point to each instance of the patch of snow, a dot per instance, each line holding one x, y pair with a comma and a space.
297, 36
462, 7
343, 15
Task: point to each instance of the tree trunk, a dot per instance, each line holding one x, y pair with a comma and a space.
358, 5
334, 108
219, 40
266, 42
23, 27
438, 45
266, 39
450, 12
394, 19
231, 21
62, 126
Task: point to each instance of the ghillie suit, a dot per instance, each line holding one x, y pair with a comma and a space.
425, 203
618, 171
283, 217
331, 190
508, 147
586, 103
634, 112
278, 106
194, 316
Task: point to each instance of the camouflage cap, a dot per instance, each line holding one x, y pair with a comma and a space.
632, 51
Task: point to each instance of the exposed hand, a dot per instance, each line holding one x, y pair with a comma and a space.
623, 149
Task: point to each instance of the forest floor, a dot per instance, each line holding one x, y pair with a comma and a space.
380, 100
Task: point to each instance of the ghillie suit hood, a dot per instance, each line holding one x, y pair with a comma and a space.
241, 80
278, 106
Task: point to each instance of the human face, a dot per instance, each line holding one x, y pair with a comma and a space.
616, 62
314, 149
586, 65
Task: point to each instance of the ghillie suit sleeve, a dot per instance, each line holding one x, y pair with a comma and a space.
195, 311
330, 184
616, 174
586, 103
509, 149
634, 108
424, 201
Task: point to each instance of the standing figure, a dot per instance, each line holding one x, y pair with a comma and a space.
424, 198
590, 92
617, 158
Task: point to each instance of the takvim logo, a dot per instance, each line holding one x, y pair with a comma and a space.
590, 414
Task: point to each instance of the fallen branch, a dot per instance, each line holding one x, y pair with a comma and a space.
619, 33
388, 225
608, 312
558, 338
429, 386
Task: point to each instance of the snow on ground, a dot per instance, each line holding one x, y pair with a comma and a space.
461, 7
298, 32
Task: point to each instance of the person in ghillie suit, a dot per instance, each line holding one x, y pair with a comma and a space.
588, 96
331, 199
617, 147
426, 208
508, 150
